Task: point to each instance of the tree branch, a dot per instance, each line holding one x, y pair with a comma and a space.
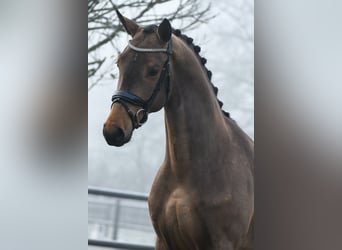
103, 25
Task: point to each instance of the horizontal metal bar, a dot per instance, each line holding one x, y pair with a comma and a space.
117, 194
120, 245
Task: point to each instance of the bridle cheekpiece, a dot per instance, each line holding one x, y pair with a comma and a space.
123, 96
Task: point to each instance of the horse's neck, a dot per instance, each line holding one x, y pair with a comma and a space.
195, 126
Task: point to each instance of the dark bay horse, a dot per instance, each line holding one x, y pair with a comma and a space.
203, 194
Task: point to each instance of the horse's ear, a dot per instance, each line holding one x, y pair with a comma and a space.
165, 31
130, 26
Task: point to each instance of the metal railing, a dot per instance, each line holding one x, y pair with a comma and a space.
119, 245
118, 195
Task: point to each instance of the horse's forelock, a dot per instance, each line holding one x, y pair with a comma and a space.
150, 28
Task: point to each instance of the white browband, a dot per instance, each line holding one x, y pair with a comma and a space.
146, 49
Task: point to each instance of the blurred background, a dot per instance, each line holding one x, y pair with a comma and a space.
43, 127
225, 31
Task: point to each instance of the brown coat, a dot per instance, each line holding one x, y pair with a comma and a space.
203, 194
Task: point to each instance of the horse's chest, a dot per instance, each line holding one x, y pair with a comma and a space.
177, 222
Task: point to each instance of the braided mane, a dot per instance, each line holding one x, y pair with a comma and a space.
197, 49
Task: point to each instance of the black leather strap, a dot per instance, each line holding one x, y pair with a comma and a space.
157, 88
122, 96
129, 97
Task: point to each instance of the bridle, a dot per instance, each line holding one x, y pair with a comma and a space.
123, 96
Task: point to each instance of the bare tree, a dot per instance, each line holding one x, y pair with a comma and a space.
104, 27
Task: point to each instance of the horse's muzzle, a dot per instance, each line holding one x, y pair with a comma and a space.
115, 136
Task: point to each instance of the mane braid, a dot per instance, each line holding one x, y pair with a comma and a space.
197, 49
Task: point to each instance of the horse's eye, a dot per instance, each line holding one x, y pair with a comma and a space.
153, 72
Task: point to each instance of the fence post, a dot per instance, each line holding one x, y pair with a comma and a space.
117, 195
116, 219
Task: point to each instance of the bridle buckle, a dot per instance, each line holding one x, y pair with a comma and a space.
141, 121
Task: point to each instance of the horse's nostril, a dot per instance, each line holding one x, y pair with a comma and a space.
119, 133
114, 135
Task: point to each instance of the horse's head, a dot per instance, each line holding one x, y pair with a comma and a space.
143, 84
